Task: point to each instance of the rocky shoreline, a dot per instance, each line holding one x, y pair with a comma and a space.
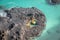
13, 24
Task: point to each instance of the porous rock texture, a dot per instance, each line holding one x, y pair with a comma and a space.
13, 26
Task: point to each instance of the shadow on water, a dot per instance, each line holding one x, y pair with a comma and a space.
2, 7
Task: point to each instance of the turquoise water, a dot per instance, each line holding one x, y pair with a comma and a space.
52, 13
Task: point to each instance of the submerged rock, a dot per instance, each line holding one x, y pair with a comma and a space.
53, 2
16, 24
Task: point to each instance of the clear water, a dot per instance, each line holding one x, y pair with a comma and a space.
52, 13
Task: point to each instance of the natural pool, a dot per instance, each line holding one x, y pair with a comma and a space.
52, 13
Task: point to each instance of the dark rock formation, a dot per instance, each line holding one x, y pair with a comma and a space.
21, 24
53, 2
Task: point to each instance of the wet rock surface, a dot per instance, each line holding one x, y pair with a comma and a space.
13, 26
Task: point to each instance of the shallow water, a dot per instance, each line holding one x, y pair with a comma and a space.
52, 13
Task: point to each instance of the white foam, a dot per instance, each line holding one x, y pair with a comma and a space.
2, 13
